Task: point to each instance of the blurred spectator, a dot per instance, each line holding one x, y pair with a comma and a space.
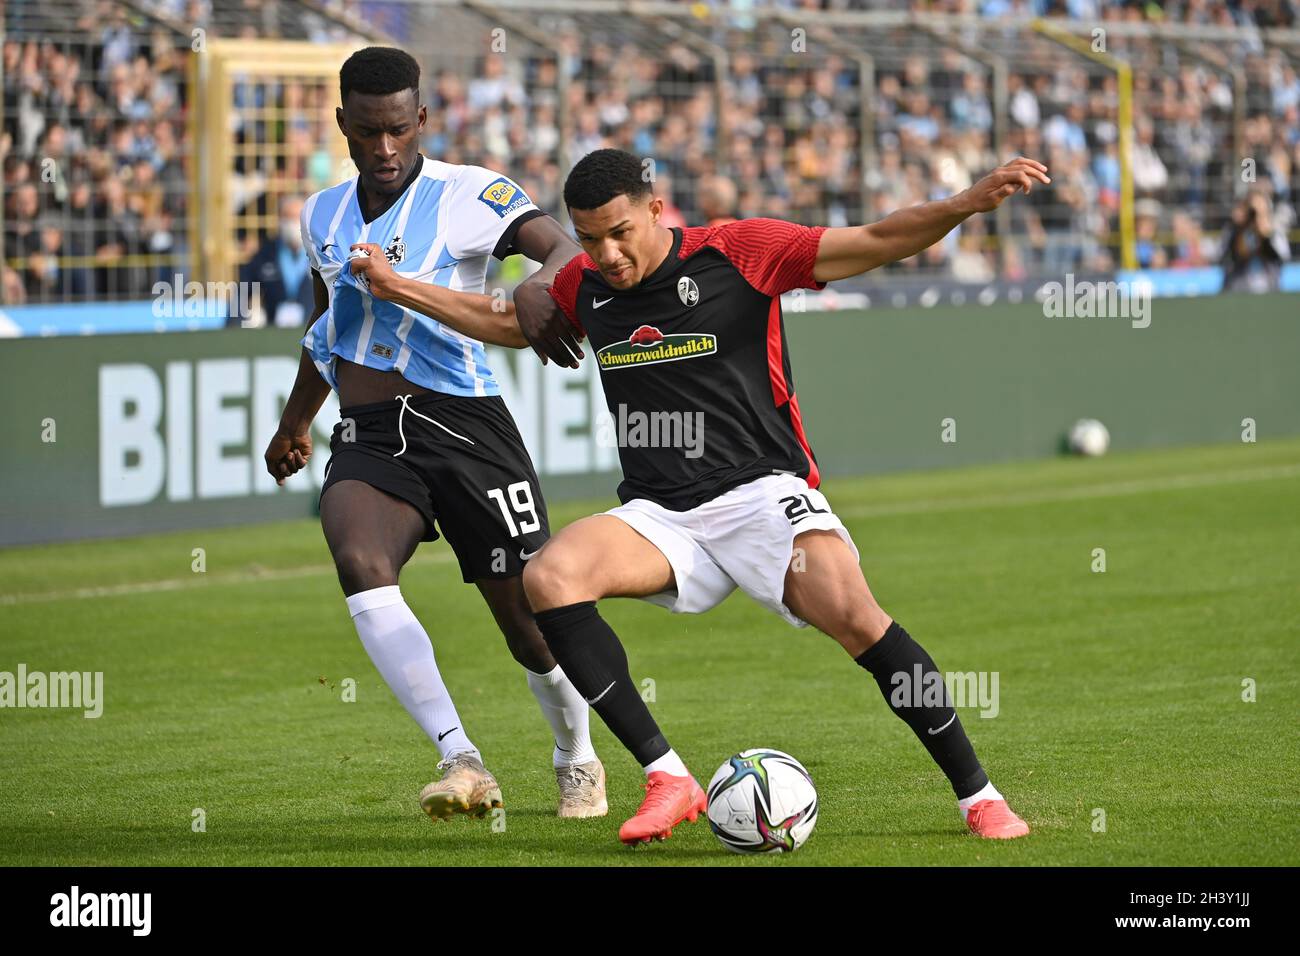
279, 267
1064, 131
1189, 243
1106, 170
1193, 141
970, 108
716, 200
45, 277
672, 216
1146, 224
118, 244
1254, 248
969, 264
1022, 102
21, 208
11, 284
493, 86
1149, 172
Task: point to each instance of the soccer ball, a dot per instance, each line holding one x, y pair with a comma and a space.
1089, 437
762, 801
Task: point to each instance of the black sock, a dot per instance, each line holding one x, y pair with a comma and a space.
897, 654
596, 664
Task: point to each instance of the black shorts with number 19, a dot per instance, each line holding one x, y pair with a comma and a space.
461, 463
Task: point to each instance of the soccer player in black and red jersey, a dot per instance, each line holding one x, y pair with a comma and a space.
687, 329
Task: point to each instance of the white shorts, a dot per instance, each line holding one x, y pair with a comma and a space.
744, 538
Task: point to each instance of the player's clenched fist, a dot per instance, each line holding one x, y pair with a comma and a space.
287, 455
374, 268
987, 194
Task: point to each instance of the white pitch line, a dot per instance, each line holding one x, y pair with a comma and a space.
1113, 489
929, 506
196, 581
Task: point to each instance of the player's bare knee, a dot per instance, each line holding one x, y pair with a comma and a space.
360, 569
553, 579
538, 582
859, 626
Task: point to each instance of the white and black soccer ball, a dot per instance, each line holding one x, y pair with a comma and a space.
762, 801
1089, 437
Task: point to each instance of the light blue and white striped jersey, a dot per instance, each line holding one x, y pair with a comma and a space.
440, 229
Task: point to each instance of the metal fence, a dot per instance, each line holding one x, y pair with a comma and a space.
1153, 131
103, 184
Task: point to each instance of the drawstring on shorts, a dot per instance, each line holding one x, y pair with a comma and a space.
404, 399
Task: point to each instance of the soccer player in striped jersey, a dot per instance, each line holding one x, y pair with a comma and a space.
424, 442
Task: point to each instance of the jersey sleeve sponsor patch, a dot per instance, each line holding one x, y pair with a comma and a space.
503, 197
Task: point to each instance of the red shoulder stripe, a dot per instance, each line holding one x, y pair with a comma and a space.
774, 256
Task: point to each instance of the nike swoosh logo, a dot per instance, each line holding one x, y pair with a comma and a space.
524, 555
446, 732
944, 727
597, 698
597, 303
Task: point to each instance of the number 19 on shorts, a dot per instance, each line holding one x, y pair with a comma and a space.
519, 499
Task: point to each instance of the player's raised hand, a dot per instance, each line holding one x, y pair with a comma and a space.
375, 268
1018, 175
287, 455
545, 326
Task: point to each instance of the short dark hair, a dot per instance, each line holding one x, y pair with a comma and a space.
379, 70
601, 175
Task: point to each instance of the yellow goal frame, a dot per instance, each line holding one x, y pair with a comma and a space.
214, 68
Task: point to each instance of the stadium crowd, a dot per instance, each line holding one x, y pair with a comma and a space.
790, 141
96, 195
94, 181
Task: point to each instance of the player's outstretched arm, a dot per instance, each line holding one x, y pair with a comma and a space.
290, 447
852, 250
483, 317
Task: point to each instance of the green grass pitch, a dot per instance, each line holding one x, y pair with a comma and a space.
1120, 692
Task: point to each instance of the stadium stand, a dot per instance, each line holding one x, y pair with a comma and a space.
819, 112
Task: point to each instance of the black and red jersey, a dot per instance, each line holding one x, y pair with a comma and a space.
701, 336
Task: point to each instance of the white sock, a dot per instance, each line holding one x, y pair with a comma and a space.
566, 712
400, 649
669, 763
989, 792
